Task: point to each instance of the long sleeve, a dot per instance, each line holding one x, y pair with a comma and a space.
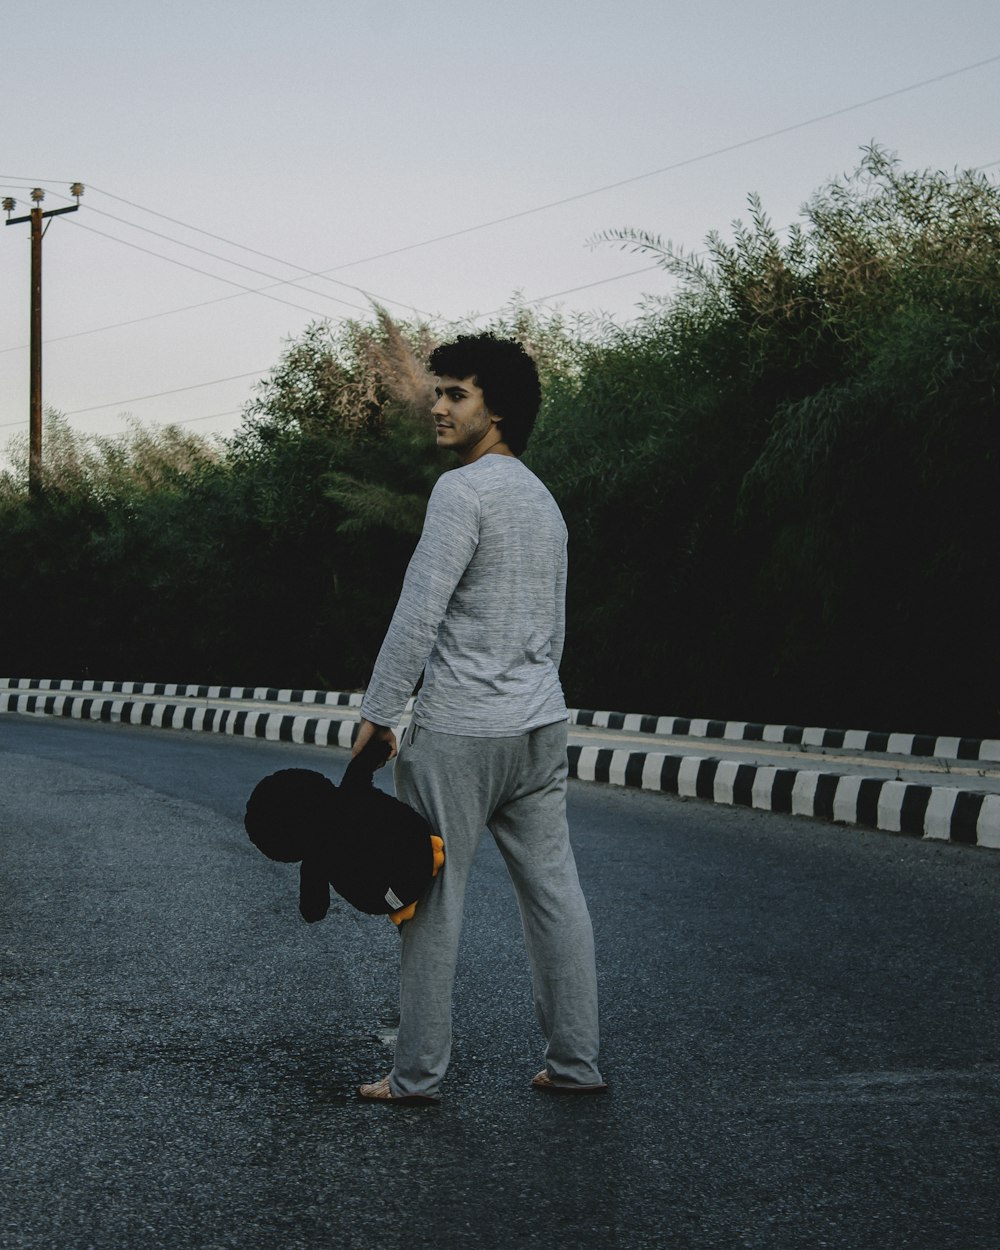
559, 632
447, 544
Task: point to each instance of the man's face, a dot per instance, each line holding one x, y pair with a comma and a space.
462, 422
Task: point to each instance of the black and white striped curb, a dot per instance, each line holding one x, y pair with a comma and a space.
255, 694
925, 746
920, 746
940, 812
246, 723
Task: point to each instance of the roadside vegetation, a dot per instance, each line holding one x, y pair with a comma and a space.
782, 486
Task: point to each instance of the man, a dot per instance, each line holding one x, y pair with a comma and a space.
481, 615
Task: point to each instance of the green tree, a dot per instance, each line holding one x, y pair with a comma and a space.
781, 485
828, 410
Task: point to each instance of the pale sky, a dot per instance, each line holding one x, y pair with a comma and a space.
323, 134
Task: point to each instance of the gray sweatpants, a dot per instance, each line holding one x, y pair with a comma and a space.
517, 788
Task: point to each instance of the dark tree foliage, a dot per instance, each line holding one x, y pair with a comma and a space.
803, 524
782, 488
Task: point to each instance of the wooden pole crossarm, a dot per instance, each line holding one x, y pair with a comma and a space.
53, 212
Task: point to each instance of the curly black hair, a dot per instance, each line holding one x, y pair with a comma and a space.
506, 374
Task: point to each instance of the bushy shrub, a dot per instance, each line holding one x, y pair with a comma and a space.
781, 484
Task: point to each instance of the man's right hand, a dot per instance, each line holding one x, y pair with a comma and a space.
368, 730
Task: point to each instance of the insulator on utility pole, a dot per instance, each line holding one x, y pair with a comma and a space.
35, 217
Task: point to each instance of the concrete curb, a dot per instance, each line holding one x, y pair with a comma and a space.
926, 746
273, 726
945, 813
259, 694
918, 745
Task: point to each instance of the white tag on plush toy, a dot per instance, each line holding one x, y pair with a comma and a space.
394, 902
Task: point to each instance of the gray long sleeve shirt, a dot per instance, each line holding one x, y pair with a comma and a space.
482, 609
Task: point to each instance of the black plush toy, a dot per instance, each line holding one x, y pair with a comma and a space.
375, 851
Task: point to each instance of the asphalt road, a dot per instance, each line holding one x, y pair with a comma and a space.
801, 1030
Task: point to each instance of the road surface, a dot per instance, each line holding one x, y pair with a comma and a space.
801, 1030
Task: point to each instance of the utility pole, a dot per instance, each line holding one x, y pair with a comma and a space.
35, 410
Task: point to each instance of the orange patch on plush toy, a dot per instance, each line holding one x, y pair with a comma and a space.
437, 849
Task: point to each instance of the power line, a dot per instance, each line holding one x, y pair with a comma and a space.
258, 372
609, 186
690, 160
384, 299
132, 321
586, 286
244, 290
539, 299
471, 229
479, 317
218, 277
10, 178
233, 412
167, 312
221, 299
306, 272
135, 399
